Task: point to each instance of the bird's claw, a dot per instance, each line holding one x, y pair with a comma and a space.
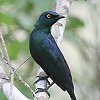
42, 78
42, 90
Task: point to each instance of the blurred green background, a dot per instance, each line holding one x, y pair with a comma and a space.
81, 44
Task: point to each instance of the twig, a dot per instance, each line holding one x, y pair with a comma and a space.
5, 53
19, 78
62, 7
22, 64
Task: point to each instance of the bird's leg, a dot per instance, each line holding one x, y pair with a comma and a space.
49, 86
42, 78
44, 90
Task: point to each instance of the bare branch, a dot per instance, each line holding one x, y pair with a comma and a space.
19, 78
5, 53
5, 86
62, 7
22, 64
6, 59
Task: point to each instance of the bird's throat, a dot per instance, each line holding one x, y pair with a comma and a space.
39, 35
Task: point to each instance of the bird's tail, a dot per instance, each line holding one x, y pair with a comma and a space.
73, 97
72, 94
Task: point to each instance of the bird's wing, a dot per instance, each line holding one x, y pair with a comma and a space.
54, 61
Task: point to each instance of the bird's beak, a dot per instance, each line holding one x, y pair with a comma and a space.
60, 16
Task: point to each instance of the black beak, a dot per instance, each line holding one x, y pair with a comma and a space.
60, 16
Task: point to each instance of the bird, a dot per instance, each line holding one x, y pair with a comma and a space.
46, 53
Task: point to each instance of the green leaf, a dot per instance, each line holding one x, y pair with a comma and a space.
24, 20
73, 37
3, 2
74, 23
23, 89
2, 96
40, 6
7, 19
13, 49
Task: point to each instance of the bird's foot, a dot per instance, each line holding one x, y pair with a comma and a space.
43, 90
42, 78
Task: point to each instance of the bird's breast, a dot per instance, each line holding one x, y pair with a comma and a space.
36, 39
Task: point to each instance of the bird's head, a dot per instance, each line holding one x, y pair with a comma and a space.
47, 19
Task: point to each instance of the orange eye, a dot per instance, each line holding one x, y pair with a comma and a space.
48, 16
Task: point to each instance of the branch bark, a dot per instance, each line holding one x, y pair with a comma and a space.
5, 87
62, 7
9, 87
5, 53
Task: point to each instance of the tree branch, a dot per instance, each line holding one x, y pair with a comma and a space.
5, 53
5, 58
19, 78
62, 7
5, 86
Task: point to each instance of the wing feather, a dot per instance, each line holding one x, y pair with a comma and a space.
56, 64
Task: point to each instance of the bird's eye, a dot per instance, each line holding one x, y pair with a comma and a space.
49, 16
